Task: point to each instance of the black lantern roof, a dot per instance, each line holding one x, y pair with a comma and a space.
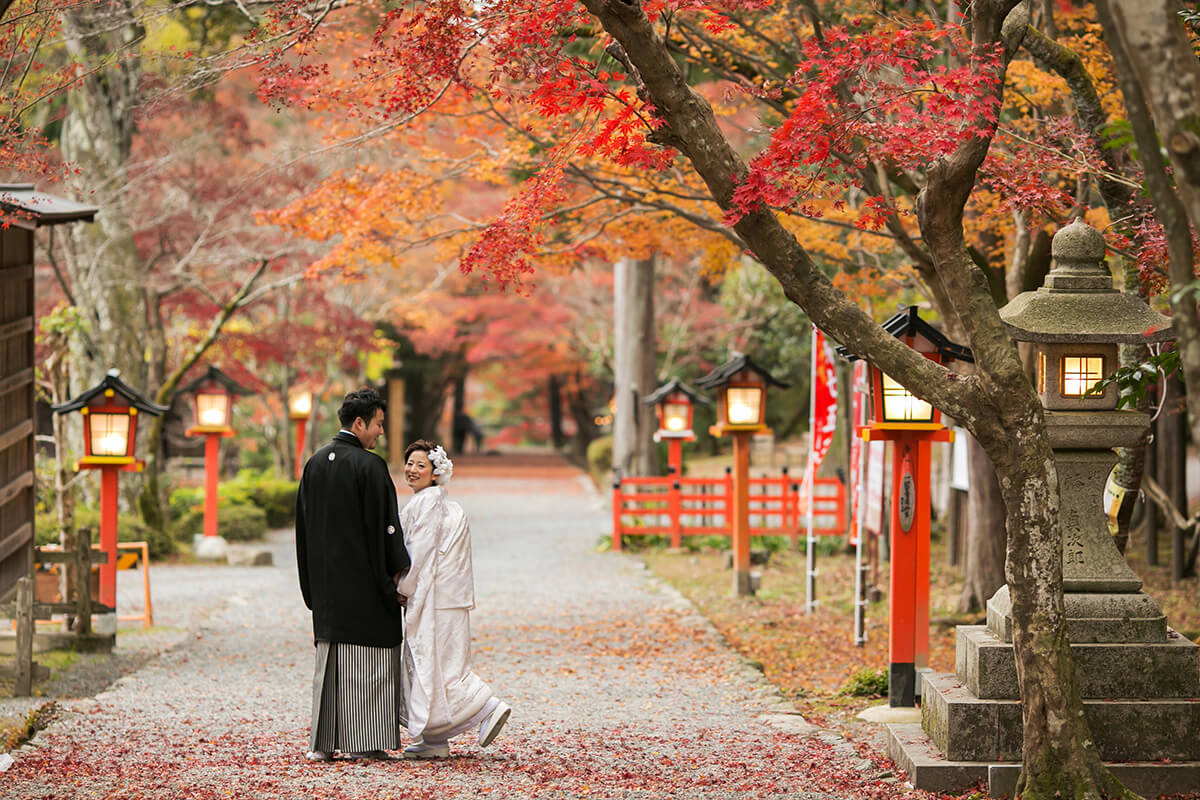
214, 375
907, 322
40, 208
111, 381
722, 374
675, 385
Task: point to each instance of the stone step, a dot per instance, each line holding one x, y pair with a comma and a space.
985, 664
1118, 617
967, 728
914, 752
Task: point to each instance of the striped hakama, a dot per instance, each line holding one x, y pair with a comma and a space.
358, 699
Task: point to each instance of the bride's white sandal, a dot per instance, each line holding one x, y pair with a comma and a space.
492, 725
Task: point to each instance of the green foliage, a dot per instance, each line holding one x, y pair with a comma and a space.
130, 528
235, 523
276, 497
1133, 382
599, 458
866, 682
779, 338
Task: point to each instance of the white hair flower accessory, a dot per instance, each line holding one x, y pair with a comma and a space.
443, 467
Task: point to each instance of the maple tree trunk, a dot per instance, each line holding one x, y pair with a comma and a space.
634, 353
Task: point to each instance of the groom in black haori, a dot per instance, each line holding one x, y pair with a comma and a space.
350, 551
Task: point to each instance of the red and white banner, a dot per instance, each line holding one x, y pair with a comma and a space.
823, 414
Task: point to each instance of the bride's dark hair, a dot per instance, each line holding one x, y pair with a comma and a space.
419, 444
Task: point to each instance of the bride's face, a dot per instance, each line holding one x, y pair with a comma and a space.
418, 472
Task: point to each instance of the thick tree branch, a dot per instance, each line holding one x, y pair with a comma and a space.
691, 122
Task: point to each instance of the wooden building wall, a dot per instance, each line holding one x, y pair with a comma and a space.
16, 405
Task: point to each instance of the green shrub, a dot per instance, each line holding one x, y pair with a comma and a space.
866, 682
276, 497
235, 523
130, 528
599, 458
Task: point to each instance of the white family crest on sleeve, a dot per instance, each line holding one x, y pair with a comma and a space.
443, 467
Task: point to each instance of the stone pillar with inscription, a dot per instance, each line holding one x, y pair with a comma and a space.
1139, 680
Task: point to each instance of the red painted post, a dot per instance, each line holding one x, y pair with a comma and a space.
727, 504
211, 474
785, 507
921, 577
675, 508
108, 534
903, 580
675, 456
741, 513
301, 433
794, 503
616, 521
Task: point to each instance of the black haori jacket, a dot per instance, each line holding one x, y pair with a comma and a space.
349, 545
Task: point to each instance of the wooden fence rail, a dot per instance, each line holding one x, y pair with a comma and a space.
677, 507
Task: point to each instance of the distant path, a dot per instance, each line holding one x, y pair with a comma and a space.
618, 689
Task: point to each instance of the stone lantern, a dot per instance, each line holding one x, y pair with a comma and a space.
1076, 321
1138, 679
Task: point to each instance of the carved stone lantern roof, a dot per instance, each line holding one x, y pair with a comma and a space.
1078, 304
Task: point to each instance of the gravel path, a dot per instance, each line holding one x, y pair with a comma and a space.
618, 688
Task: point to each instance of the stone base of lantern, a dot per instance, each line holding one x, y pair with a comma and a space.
1142, 700
209, 548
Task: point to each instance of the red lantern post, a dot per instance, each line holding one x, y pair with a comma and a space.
110, 414
741, 411
673, 403
299, 410
214, 395
899, 416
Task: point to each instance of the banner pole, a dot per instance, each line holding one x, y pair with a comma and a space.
810, 584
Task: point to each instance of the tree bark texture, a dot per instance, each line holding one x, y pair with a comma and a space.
998, 404
107, 278
646, 366
635, 367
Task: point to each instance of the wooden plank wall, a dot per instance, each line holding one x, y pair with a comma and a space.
16, 406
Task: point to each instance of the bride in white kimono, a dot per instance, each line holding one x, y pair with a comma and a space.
444, 696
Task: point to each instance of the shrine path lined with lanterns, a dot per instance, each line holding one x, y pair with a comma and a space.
618, 687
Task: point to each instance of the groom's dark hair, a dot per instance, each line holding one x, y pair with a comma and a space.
360, 403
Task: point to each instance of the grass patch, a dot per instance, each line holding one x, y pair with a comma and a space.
57, 660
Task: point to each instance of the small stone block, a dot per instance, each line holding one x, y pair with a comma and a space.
243, 556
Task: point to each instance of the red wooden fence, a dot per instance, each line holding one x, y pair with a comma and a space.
678, 507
